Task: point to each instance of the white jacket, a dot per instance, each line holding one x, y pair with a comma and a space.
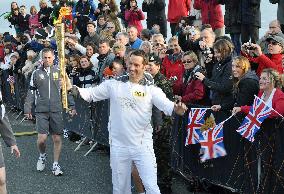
130, 110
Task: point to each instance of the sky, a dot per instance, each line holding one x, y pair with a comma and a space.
268, 13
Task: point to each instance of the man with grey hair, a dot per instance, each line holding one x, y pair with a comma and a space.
122, 37
274, 30
280, 12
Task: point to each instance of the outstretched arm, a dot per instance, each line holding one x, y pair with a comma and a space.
97, 93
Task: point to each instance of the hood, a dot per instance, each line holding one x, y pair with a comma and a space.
250, 75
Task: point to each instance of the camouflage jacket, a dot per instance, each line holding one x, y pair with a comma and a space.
162, 82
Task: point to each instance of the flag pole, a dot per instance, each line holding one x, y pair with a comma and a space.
270, 107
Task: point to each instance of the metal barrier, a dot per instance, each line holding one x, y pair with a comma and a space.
256, 167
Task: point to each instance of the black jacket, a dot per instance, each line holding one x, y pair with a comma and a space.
245, 89
250, 12
45, 20
221, 84
86, 78
232, 15
24, 23
156, 15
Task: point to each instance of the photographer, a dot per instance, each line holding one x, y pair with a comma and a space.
172, 66
109, 9
134, 15
274, 30
221, 82
203, 47
158, 45
190, 89
187, 33
272, 60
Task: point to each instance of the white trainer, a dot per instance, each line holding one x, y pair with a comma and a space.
41, 163
56, 170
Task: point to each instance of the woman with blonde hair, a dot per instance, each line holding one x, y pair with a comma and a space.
270, 92
245, 81
190, 90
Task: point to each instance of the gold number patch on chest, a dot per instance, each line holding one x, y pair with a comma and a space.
139, 94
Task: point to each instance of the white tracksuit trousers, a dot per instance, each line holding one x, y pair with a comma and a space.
121, 159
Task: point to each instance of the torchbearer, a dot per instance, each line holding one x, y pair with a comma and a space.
132, 97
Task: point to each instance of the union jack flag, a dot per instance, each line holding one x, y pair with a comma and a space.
252, 122
11, 79
212, 145
195, 121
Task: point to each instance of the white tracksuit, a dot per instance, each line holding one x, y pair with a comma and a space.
130, 130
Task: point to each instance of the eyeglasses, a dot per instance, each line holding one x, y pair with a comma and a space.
272, 27
187, 61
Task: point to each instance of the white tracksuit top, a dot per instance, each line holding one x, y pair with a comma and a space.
130, 110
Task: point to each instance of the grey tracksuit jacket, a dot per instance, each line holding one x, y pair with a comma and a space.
45, 91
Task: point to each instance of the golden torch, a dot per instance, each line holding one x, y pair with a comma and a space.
65, 82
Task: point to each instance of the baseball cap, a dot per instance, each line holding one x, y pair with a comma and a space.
155, 59
276, 38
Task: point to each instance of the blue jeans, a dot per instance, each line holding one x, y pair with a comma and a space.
236, 39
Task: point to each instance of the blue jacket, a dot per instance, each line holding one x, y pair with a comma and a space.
136, 44
86, 9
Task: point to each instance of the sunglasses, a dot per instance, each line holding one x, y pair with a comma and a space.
273, 42
187, 62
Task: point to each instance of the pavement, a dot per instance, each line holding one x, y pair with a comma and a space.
90, 174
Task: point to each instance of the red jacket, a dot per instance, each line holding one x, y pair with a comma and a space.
178, 9
275, 62
211, 13
2, 54
277, 104
134, 18
191, 92
170, 69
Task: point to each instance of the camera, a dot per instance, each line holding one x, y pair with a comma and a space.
170, 51
206, 52
196, 69
250, 47
189, 30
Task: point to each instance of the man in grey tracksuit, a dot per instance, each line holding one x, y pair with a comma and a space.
9, 139
45, 91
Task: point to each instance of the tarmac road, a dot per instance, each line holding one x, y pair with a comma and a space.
91, 174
